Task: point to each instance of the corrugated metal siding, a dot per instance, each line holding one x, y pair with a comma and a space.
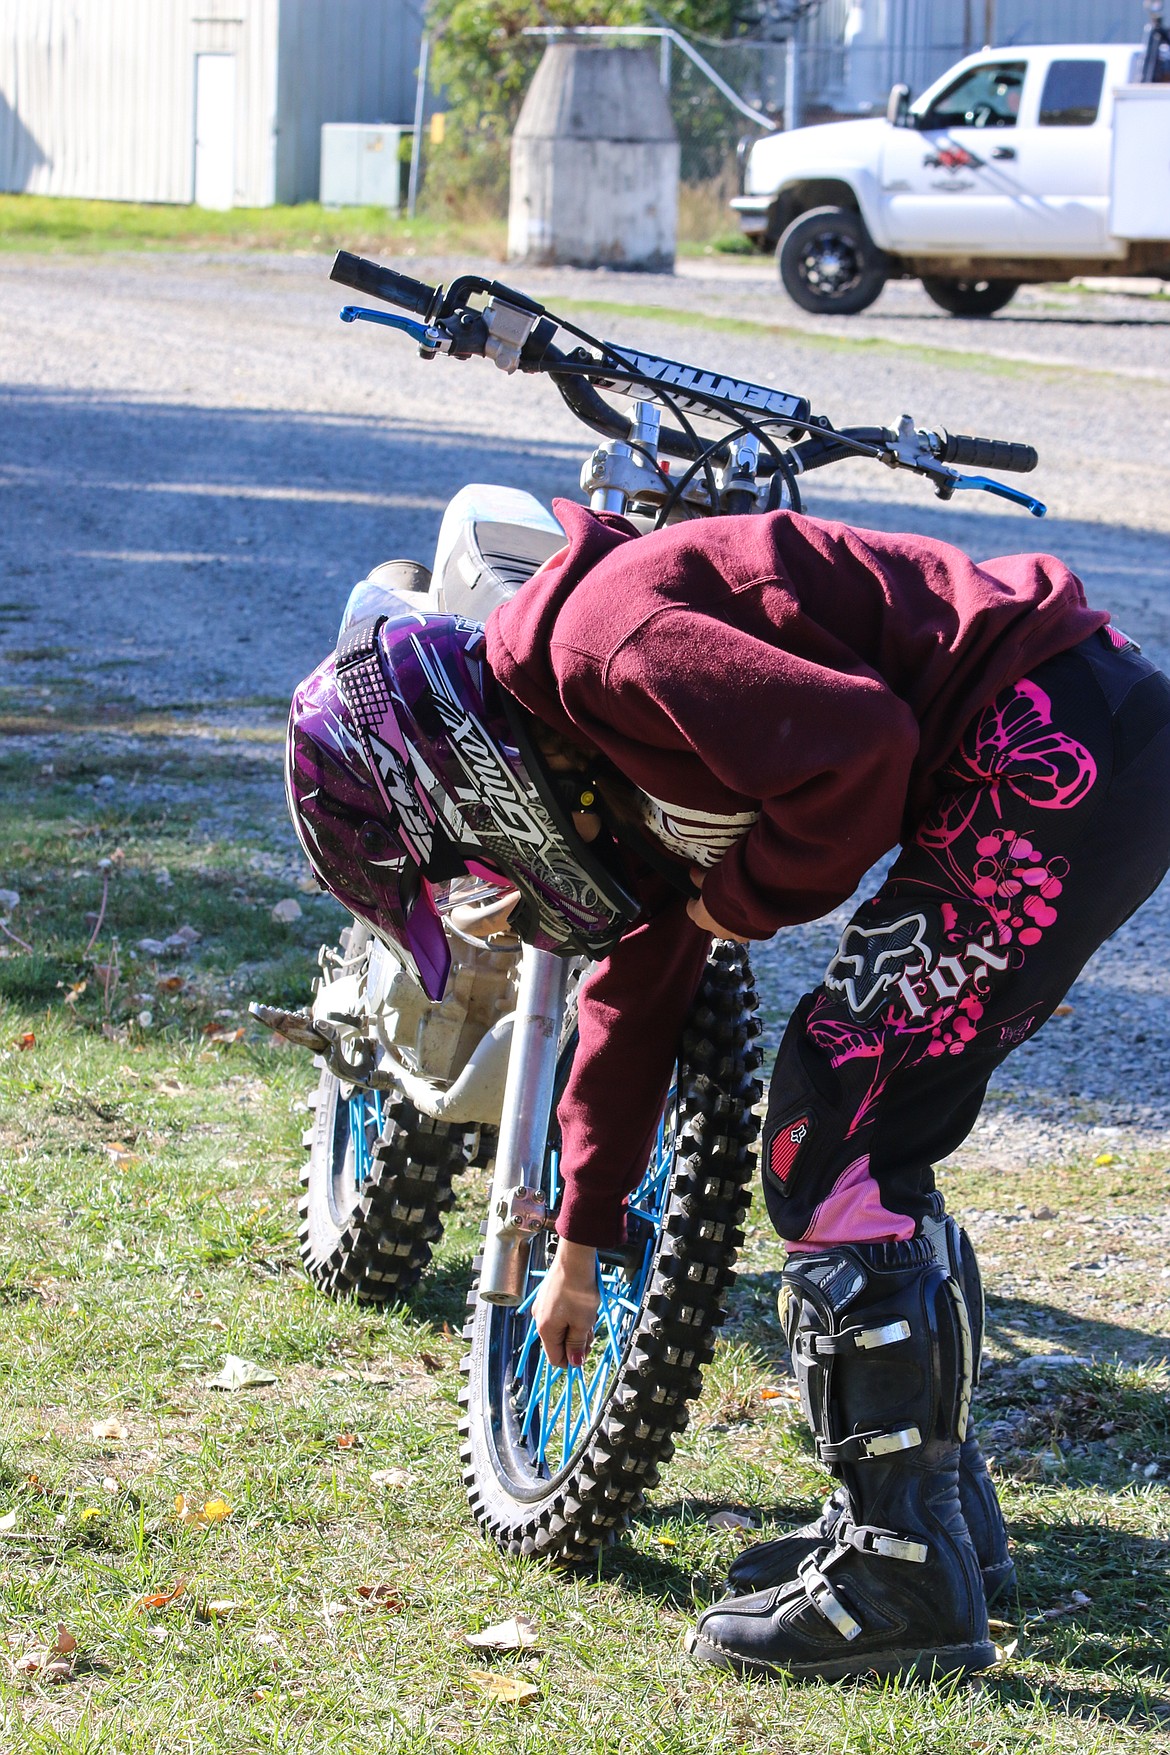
339, 61
854, 50
97, 96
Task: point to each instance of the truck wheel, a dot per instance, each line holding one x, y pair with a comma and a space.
970, 298
829, 263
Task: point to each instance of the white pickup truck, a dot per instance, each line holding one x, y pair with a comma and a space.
1032, 163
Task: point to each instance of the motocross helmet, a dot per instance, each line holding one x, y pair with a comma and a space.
407, 765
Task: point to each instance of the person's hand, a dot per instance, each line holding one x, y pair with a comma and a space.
566, 1306
705, 921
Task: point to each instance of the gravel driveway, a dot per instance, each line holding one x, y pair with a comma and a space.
197, 460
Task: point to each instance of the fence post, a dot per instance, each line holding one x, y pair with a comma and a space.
792, 82
420, 104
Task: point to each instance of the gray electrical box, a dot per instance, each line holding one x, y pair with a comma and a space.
361, 165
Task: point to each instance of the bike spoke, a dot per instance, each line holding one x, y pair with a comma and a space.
556, 1410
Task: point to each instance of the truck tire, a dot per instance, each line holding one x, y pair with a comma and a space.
829, 263
970, 298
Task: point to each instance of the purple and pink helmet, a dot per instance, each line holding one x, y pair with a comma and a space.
407, 765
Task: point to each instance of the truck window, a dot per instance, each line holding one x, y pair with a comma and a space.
1072, 94
987, 96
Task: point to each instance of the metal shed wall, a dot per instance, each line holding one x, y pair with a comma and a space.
856, 49
339, 61
97, 96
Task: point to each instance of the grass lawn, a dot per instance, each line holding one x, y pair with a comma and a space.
46, 223
149, 1158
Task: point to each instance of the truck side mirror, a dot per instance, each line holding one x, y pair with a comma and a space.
898, 106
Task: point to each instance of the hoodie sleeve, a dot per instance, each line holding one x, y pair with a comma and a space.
827, 754
631, 1012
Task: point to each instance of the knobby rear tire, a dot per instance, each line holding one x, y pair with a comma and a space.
566, 1513
371, 1239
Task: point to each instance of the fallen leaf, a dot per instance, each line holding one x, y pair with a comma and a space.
381, 1596
772, 1393
111, 1484
1004, 1652
430, 1362
75, 992
52, 1663
390, 1478
239, 1373
1064, 1011
158, 1634
27, 1040
213, 1511
161, 1599
729, 1520
122, 1155
518, 1634
7, 1522
287, 911
111, 1428
222, 1607
514, 1690
348, 1441
218, 1033
171, 983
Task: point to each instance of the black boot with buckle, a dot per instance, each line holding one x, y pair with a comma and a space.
768, 1564
881, 1346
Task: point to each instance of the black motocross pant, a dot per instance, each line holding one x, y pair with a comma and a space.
1053, 826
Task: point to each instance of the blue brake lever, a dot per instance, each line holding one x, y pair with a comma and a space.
420, 332
1037, 507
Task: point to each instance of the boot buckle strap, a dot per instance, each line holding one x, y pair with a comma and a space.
864, 1445
814, 1347
868, 1539
824, 1599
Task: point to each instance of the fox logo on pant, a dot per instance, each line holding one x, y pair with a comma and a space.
871, 962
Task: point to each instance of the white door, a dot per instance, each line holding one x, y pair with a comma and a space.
1064, 162
951, 182
215, 130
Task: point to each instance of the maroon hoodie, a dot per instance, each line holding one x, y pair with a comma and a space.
812, 673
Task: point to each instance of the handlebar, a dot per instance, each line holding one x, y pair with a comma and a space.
517, 333
987, 453
382, 283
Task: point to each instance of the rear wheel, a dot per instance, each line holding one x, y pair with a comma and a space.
970, 298
376, 1186
829, 263
557, 1461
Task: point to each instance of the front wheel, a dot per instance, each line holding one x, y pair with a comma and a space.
829, 263
970, 298
556, 1461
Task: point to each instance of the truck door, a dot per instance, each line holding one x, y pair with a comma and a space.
951, 182
1063, 163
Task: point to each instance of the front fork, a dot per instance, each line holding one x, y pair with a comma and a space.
517, 1210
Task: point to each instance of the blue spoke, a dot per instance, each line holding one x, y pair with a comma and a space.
547, 1429
606, 1311
534, 1398
529, 1341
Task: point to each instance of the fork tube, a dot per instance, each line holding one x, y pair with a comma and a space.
527, 1108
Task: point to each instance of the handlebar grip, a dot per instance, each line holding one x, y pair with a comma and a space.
988, 453
382, 283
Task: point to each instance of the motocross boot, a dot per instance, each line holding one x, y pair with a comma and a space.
882, 1352
775, 1562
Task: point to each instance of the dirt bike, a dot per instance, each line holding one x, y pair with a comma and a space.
411, 1091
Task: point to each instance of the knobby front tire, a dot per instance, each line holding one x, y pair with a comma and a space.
556, 1462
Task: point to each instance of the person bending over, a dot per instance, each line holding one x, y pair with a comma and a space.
765, 707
